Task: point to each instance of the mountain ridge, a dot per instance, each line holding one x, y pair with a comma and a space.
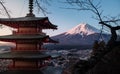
82, 34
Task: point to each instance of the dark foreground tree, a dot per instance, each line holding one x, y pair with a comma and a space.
84, 66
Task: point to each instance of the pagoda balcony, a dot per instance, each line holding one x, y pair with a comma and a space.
39, 65
28, 32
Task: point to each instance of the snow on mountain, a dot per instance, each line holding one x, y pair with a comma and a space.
83, 29
82, 34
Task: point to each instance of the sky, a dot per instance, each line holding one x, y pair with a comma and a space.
65, 19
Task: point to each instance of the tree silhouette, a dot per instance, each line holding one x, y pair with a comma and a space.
41, 8
88, 5
3, 9
37, 3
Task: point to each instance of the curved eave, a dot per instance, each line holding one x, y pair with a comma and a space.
28, 38
24, 55
42, 22
23, 37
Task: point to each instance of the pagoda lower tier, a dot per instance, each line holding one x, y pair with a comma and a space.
25, 42
26, 60
27, 55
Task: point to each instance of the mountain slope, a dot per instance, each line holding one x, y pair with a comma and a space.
82, 34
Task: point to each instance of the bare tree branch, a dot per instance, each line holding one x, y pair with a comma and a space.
89, 6
112, 43
6, 11
41, 8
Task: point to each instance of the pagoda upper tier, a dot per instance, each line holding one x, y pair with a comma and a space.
28, 21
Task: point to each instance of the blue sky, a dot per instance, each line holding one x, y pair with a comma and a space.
65, 19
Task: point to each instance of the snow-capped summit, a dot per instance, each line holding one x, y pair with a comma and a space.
83, 29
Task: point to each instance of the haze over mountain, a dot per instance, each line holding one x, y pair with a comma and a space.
82, 34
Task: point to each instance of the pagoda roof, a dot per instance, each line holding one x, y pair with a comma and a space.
23, 37
23, 19
24, 55
42, 22
28, 38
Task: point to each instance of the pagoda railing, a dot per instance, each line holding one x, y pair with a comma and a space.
34, 32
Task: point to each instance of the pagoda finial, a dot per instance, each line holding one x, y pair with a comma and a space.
30, 14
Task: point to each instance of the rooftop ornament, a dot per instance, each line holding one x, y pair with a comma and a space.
30, 14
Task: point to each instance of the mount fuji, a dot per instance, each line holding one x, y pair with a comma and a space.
83, 29
82, 34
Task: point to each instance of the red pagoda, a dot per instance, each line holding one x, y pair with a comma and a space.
29, 39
